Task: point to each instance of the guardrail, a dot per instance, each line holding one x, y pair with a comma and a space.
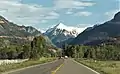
5, 62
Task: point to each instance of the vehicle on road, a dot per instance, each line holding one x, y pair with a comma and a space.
66, 57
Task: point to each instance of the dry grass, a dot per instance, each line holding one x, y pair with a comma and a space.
104, 67
4, 68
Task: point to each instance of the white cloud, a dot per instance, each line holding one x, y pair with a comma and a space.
32, 14
43, 21
26, 14
72, 4
84, 13
111, 13
69, 12
84, 25
52, 15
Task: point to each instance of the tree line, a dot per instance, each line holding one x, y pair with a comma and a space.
101, 52
32, 50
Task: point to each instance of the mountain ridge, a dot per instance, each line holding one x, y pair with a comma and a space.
61, 32
102, 31
10, 29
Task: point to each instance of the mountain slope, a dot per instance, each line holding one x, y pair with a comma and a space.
10, 29
61, 32
14, 34
100, 32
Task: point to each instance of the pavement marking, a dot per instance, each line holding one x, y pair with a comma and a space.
28, 67
85, 66
54, 72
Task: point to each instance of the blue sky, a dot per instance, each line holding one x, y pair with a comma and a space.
43, 14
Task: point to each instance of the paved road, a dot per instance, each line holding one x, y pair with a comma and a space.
72, 67
40, 69
67, 66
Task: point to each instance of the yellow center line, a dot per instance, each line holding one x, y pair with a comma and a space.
53, 72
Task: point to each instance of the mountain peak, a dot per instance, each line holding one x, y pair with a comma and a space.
61, 26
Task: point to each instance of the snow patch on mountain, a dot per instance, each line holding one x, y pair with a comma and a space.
60, 33
66, 30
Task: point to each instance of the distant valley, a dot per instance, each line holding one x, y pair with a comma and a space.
61, 34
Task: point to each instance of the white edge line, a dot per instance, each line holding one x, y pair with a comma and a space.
28, 67
86, 67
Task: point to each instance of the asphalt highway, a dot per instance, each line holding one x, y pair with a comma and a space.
66, 66
40, 69
72, 67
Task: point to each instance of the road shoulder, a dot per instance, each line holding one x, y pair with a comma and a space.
85, 66
27, 67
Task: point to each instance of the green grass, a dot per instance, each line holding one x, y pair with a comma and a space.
103, 67
5, 68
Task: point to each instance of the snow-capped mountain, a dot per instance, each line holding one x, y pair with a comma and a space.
66, 30
61, 32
